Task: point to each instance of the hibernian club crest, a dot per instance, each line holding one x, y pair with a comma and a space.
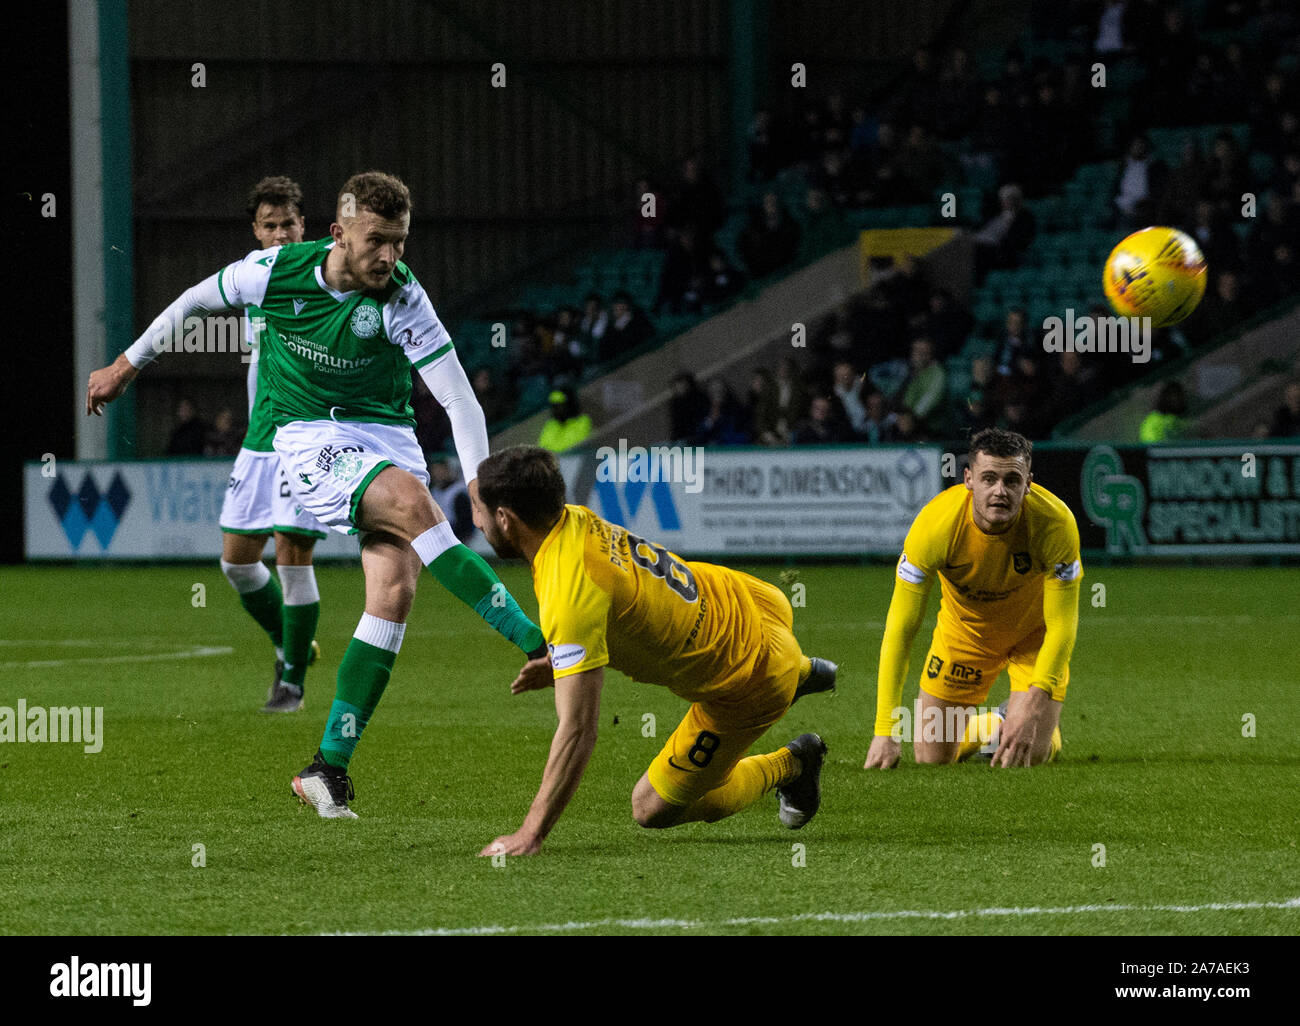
346, 467
365, 321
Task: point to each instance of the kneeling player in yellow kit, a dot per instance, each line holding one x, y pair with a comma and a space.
718, 638
1006, 553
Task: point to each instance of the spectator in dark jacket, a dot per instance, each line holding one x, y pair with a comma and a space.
821, 426
1286, 418
945, 324
224, 438
190, 433
1016, 341
686, 408
763, 410
791, 394
697, 202
449, 492
721, 280
1074, 387
1225, 306
999, 243
683, 273
771, 239
723, 422
593, 324
628, 328
493, 397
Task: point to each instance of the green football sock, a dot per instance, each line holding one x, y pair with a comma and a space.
265, 605
363, 675
299, 632
465, 574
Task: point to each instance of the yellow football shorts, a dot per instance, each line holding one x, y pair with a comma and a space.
717, 733
958, 670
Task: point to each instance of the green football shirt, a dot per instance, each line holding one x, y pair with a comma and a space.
333, 355
261, 427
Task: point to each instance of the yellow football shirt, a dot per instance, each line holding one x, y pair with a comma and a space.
992, 584
997, 589
608, 597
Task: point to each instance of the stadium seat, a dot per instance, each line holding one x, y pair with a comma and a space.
1262, 166
975, 348
532, 391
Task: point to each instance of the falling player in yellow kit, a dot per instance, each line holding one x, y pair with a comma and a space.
720, 639
1006, 553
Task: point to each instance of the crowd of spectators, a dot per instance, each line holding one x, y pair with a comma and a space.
193, 435
877, 369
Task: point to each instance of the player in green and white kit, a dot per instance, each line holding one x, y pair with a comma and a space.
345, 321
259, 502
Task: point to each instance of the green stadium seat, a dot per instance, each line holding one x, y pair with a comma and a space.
1124, 75
986, 179
533, 391
975, 348
1262, 166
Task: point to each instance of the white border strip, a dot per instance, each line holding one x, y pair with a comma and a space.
1289, 904
89, 332
187, 652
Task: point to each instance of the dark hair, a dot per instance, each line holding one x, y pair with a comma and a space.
277, 191
378, 192
1002, 444
525, 479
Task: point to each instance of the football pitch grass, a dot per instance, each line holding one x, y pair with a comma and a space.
1198, 822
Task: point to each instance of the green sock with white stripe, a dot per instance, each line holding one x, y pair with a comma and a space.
260, 595
465, 574
363, 675
301, 615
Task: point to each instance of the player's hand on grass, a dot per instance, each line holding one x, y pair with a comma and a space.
536, 675
1021, 728
883, 753
107, 383
518, 843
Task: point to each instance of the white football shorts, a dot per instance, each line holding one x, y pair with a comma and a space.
258, 499
331, 463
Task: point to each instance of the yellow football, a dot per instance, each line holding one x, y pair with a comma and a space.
1157, 273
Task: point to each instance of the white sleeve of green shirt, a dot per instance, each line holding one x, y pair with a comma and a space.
410, 321
254, 356
241, 284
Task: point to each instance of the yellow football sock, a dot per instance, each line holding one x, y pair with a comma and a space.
749, 781
978, 731
805, 668
1056, 745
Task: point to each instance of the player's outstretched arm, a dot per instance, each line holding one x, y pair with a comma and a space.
107, 383
413, 324
1031, 721
577, 700
231, 288
906, 611
536, 675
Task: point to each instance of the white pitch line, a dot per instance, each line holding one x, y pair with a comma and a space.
1290, 904
190, 652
